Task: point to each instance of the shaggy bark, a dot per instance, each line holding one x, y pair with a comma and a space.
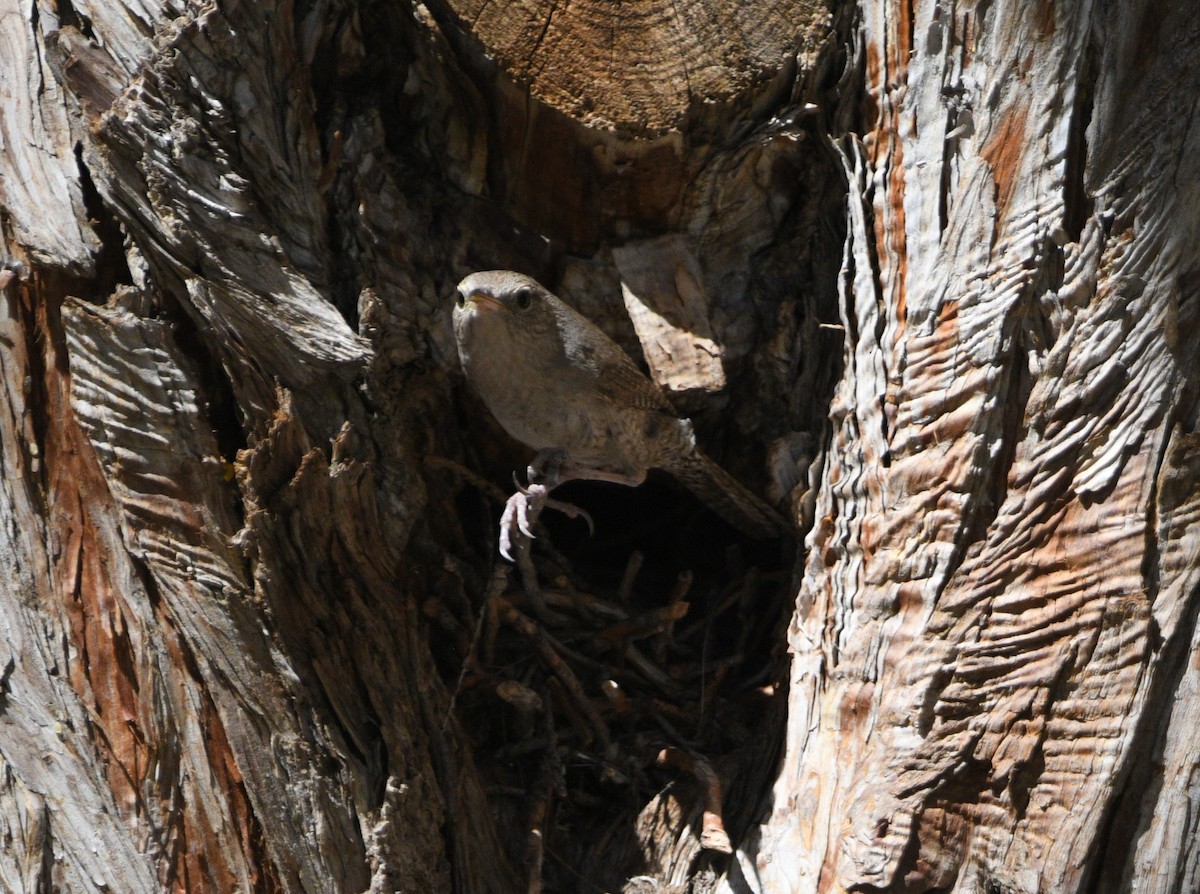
1000, 593
921, 273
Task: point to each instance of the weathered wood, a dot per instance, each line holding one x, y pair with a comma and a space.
642, 67
990, 618
218, 720
934, 261
662, 284
79, 826
39, 162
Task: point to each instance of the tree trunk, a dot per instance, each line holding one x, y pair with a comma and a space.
921, 274
991, 687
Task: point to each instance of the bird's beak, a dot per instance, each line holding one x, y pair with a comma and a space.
484, 301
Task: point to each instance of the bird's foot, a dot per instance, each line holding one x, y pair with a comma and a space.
570, 510
521, 512
546, 467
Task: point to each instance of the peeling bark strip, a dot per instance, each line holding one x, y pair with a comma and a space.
999, 592
62, 786
177, 713
39, 161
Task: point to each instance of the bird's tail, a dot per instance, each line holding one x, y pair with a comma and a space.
726, 496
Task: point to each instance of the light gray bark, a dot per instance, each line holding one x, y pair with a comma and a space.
1000, 591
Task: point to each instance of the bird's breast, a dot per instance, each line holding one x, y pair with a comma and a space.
535, 406
546, 401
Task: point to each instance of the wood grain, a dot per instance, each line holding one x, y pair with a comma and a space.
937, 261
638, 67
991, 608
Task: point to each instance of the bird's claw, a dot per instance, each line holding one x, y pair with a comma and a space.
527, 502
570, 510
522, 509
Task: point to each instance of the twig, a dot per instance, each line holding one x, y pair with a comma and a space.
648, 624
570, 709
433, 609
653, 674
712, 831
463, 609
683, 585
477, 481
632, 567
495, 588
549, 782
542, 641
491, 628
595, 608
529, 582
526, 703
734, 593
563, 564
692, 671
616, 697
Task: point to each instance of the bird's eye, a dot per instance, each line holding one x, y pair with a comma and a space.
523, 298
460, 298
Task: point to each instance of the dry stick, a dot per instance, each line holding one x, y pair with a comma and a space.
491, 629
433, 609
549, 784
542, 640
734, 593
683, 584
667, 727
477, 481
529, 574
648, 624
462, 607
632, 567
529, 580
495, 588
567, 707
653, 674
535, 848
594, 608
670, 711
686, 673
526, 704
709, 687
616, 697
564, 565
712, 831
578, 659
708, 691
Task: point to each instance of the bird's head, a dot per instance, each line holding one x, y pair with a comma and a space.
501, 304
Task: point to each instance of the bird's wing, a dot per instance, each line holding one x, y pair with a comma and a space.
626, 385
614, 374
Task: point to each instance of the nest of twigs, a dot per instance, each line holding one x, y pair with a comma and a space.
621, 690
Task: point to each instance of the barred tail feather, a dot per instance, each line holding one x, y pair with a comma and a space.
726, 496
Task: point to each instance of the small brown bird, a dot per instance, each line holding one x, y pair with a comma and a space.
561, 386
